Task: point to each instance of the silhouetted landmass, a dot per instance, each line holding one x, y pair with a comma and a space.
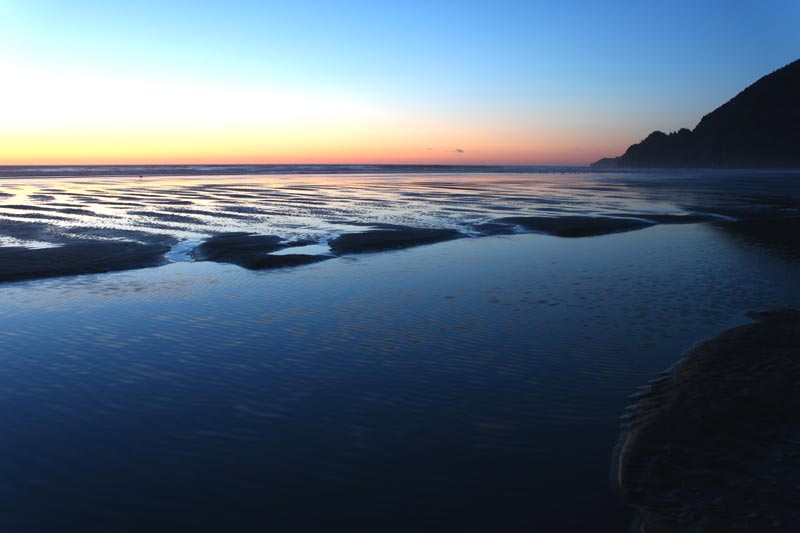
388, 239
88, 257
711, 446
606, 162
758, 128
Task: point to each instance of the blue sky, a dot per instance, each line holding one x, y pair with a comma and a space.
569, 80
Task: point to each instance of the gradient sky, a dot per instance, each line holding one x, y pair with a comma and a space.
369, 82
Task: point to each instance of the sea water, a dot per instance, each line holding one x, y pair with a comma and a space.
475, 384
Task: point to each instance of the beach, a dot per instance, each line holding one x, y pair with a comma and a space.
437, 352
711, 445
59, 225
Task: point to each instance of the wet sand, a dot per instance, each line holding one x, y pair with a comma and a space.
255, 252
501, 363
252, 251
89, 257
713, 444
779, 235
577, 226
77, 250
353, 213
388, 239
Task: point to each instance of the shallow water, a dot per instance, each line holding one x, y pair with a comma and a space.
469, 385
322, 206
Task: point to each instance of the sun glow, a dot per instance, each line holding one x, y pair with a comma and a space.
67, 117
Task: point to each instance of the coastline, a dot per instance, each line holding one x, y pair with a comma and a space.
93, 225
711, 445
83, 253
471, 343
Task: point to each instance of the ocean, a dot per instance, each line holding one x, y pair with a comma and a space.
475, 384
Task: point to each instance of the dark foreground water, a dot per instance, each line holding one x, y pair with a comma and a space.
472, 385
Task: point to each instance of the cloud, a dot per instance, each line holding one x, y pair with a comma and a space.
458, 151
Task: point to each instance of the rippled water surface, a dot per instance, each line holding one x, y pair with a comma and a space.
474, 384
322, 206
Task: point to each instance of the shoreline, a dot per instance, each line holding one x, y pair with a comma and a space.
711, 444
97, 250
511, 304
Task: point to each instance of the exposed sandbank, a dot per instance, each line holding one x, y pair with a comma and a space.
657, 218
252, 251
712, 445
576, 226
368, 215
781, 235
256, 251
80, 257
388, 239
77, 250
588, 226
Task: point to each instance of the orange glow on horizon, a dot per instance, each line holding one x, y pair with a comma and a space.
346, 145
315, 159
180, 147
89, 120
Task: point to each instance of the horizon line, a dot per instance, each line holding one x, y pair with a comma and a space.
17, 165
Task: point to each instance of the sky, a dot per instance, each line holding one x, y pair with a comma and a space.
500, 82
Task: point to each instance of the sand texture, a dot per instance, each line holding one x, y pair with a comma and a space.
714, 445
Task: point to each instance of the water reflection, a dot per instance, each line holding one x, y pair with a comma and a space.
474, 384
319, 207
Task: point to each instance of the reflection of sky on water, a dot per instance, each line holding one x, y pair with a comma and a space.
319, 206
469, 384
